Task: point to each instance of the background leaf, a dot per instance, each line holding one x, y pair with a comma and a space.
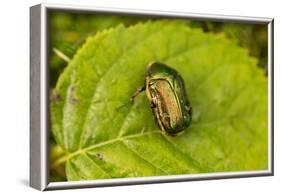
227, 91
68, 31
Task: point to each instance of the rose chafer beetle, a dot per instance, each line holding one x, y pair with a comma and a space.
168, 99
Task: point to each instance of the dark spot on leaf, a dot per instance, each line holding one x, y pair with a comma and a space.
72, 88
56, 97
99, 156
73, 99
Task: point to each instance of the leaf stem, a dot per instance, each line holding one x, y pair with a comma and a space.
61, 55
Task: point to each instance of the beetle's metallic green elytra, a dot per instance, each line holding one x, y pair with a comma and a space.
168, 98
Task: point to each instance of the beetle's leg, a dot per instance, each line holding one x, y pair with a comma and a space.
139, 90
132, 99
152, 105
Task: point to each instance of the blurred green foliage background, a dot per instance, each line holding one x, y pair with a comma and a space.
68, 31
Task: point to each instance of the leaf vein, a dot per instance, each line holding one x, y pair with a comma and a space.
141, 157
191, 160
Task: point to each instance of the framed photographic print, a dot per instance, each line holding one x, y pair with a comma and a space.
124, 97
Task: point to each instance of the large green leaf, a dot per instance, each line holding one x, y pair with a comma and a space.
227, 91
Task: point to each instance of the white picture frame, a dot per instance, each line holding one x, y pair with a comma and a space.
39, 110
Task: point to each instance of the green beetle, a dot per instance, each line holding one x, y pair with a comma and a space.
168, 99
